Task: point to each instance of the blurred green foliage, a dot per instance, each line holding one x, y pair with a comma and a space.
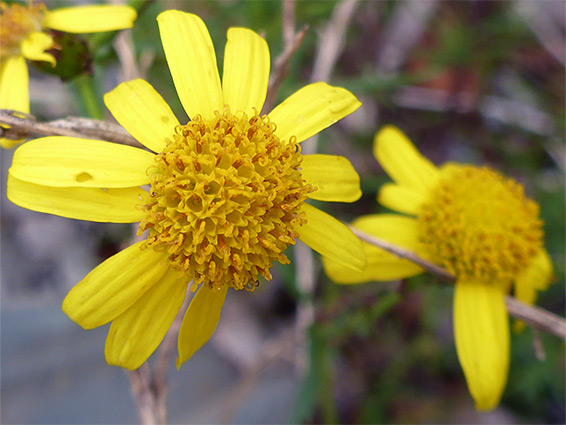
382, 353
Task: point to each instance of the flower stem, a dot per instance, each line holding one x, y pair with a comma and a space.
89, 101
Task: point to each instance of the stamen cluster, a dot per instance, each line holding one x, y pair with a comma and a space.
480, 225
18, 21
225, 199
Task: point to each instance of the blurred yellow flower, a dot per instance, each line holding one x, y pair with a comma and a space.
227, 190
24, 34
477, 224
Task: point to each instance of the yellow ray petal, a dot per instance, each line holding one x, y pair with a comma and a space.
14, 84
381, 265
535, 278
115, 285
246, 71
34, 46
200, 321
192, 62
401, 198
481, 331
92, 204
60, 161
87, 19
143, 112
332, 239
14, 90
402, 161
333, 176
311, 109
136, 333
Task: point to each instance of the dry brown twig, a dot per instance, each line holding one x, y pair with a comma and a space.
331, 44
292, 41
535, 316
141, 389
273, 350
26, 126
161, 367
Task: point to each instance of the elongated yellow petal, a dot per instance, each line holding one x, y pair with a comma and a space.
246, 71
401, 198
34, 46
333, 176
311, 109
87, 19
402, 161
14, 84
192, 62
381, 265
69, 162
136, 333
535, 278
143, 112
114, 286
331, 238
92, 204
200, 321
14, 90
481, 331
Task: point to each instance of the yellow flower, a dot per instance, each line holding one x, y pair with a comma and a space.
477, 224
227, 190
24, 34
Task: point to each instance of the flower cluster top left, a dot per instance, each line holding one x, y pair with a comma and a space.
25, 33
227, 190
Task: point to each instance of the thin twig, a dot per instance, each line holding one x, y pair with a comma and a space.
281, 69
546, 21
24, 125
141, 390
403, 31
332, 40
305, 276
159, 378
403, 253
331, 44
288, 22
124, 47
535, 316
274, 350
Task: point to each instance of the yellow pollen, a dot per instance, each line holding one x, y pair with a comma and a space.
16, 23
480, 225
225, 200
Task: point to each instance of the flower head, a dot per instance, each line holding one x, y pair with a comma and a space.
226, 198
218, 185
477, 224
25, 33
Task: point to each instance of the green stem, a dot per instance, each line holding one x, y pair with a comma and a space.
327, 402
90, 102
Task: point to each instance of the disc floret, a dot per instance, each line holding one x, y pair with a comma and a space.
480, 225
225, 199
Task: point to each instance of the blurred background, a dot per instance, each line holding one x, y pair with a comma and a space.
479, 82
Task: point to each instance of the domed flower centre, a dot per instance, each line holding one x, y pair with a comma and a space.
225, 199
480, 225
17, 22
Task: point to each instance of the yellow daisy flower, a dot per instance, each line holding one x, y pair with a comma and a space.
24, 34
478, 225
227, 190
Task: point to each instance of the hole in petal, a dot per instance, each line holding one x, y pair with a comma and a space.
83, 177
